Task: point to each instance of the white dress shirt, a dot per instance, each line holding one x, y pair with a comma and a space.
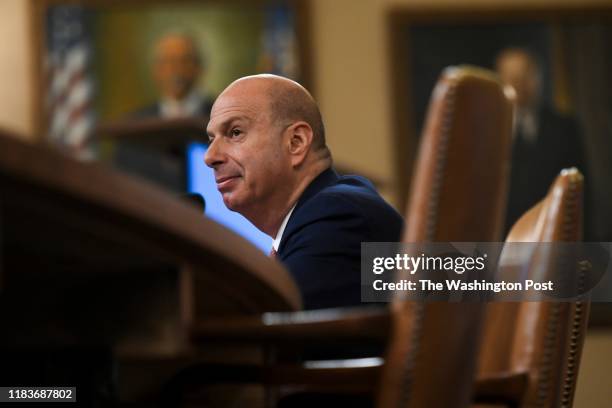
526, 122
281, 230
188, 106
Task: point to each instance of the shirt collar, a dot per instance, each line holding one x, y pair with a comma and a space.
281, 230
526, 124
188, 106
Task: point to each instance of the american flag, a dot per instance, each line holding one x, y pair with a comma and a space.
70, 81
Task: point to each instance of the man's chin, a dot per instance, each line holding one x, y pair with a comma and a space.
231, 203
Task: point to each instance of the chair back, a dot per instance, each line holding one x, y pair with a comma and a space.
542, 339
458, 194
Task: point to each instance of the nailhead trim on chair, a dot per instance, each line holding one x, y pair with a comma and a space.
432, 224
578, 315
569, 379
545, 379
547, 360
442, 153
416, 340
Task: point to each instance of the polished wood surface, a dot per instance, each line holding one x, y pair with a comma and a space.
94, 260
311, 327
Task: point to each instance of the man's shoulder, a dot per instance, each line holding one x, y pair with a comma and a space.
322, 242
349, 188
342, 214
348, 196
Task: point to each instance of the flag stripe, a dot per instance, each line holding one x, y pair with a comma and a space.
70, 81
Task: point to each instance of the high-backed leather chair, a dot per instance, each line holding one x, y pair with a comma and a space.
531, 350
458, 193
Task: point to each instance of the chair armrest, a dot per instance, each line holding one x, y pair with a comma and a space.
500, 388
355, 325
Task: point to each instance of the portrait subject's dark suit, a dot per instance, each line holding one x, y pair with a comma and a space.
535, 164
321, 244
160, 166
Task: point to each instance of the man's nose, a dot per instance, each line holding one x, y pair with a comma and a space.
214, 155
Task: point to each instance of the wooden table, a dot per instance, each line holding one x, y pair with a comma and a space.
90, 257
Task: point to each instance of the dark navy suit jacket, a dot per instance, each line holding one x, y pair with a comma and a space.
321, 244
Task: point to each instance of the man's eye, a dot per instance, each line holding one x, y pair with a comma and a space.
235, 132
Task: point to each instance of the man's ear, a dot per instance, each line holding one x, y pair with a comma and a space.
300, 141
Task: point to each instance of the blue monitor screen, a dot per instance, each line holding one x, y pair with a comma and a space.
200, 179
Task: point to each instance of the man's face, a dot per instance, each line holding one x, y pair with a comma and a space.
517, 69
176, 66
246, 150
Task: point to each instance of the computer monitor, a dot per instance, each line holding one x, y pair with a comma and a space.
200, 179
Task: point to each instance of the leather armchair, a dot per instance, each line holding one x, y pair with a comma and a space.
531, 350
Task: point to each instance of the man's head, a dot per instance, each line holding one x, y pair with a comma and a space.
267, 142
177, 65
519, 68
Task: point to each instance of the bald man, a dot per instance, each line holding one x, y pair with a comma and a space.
272, 165
545, 141
177, 66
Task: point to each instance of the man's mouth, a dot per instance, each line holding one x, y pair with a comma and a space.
225, 181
